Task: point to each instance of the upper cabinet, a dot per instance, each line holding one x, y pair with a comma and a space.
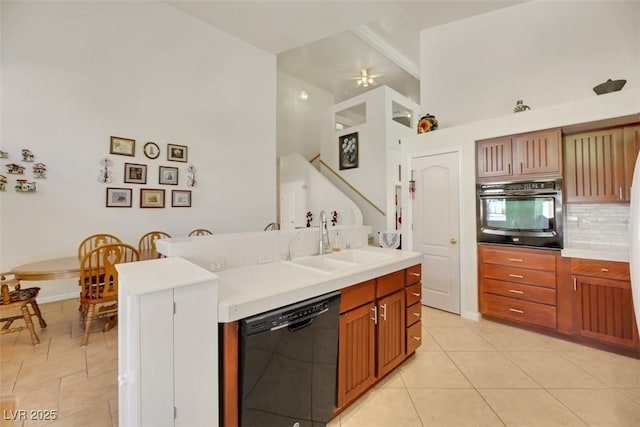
599, 164
525, 156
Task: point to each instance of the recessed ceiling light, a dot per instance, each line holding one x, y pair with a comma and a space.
304, 94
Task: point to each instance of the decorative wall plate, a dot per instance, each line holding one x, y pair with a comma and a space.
151, 150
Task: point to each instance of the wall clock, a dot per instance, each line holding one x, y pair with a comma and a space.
151, 150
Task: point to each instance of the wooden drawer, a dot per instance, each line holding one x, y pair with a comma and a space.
604, 269
414, 314
413, 274
414, 337
413, 294
534, 259
523, 292
519, 310
357, 295
520, 275
390, 283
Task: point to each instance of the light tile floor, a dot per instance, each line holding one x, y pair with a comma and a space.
465, 374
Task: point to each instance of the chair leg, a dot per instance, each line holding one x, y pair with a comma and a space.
36, 310
26, 314
87, 324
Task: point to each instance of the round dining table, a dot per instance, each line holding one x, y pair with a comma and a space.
50, 269
58, 268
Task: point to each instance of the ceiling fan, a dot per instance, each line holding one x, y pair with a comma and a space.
365, 78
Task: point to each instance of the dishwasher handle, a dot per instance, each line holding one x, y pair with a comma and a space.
294, 327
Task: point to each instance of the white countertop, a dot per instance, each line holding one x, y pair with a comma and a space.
251, 290
599, 252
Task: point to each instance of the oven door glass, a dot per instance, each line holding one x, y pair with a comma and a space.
517, 213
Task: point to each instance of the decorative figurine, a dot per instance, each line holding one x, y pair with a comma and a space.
427, 123
334, 217
191, 178
3, 183
39, 170
23, 186
520, 107
4, 155
309, 218
105, 174
15, 169
27, 155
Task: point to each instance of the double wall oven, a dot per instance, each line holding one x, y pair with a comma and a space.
527, 213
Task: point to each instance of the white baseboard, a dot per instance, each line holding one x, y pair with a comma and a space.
58, 297
471, 315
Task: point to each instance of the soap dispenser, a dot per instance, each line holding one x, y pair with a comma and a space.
337, 242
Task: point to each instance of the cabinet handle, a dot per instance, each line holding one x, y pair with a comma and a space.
415, 274
520, 167
515, 291
416, 314
515, 310
604, 270
517, 276
620, 193
415, 294
575, 284
516, 260
375, 315
384, 313
509, 168
416, 338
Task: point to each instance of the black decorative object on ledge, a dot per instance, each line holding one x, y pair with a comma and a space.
609, 86
520, 106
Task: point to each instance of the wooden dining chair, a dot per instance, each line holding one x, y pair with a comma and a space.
19, 299
99, 283
94, 241
200, 232
147, 244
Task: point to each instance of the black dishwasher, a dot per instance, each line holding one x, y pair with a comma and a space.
288, 364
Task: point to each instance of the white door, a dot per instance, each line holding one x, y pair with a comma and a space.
436, 228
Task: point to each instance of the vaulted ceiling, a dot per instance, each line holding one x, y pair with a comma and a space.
325, 43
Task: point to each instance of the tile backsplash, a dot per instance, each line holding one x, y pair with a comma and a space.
600, 224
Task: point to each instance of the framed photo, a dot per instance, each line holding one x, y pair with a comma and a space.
177, 153
151, 198
348, 151
135, 173
181, 198
168, 175
151, 150
122, 146
118, 197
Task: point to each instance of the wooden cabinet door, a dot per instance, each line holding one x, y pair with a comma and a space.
356, 353
594, 169
493, 158
391, 332
538, 153
604, 310
631, 138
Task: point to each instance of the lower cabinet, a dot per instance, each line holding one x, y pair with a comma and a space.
602, 304
375, 336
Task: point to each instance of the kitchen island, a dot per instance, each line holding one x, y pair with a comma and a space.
240, 292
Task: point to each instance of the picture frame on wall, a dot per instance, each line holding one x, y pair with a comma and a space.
348, 151
151, 150
177, 153
122, 146
151, 198
118, 197
168, 175
135, 173
181, 198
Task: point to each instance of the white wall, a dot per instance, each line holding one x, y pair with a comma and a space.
299, 121
303, 189
74, 73
542, 52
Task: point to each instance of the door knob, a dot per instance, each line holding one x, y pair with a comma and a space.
453, 241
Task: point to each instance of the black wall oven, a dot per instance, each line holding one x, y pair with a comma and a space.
525, 213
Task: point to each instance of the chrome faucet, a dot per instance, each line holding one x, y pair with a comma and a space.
323, 242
